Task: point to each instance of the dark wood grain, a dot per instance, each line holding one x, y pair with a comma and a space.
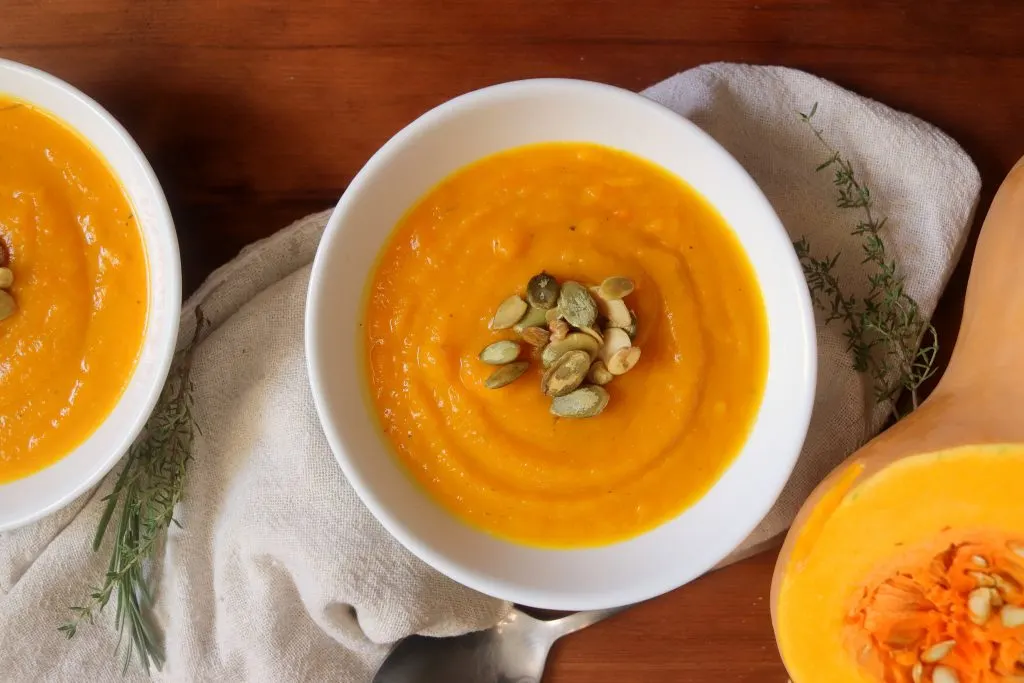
255, 112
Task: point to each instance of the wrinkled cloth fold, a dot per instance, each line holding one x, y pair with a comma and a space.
278, 572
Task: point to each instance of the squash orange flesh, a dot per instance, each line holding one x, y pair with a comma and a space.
878, 581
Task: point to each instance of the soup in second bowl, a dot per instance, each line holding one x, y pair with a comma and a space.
478, 367
75, 307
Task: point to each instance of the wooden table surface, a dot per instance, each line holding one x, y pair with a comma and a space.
256, 112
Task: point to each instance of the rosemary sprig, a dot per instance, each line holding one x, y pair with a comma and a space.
884, 330
147, 490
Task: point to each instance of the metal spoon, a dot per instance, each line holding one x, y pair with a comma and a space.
514, 651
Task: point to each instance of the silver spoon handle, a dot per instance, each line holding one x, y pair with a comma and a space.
574, 622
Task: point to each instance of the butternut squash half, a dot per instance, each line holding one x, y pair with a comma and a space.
906, 565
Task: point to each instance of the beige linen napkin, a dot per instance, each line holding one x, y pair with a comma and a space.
280, 574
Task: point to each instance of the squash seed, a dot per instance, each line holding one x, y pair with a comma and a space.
566, 373
1012, 616
599, 374
7, 306
509, 313
615, 339
500, 352
591, 332
937, 651
506, 374
542, 291
615, 288
6, 278
536, 336
586, 401
577, 341
534, 318
577, 306
1016, 548
979, 561
943, 674
917, 672
559, 330
983, 580
979, 604
624, 360
618, 314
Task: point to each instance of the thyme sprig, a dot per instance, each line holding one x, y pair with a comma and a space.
147, 490
889, 339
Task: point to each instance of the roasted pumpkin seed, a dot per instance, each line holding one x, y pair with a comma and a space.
7, 306
542, 291
618, 314
6, 278
509, 313
599, 374
937, 651
586, 401
616, 288
566, 373
500, 352
1012, 616
577, 306
506, 374
534, 318
559, 330
615, 339
536, 336
577, 341
624, 360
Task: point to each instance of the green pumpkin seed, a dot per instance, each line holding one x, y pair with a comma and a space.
500, 352
566, 373
586, 401
598, 373
506, 374
542, 291
577, 341
577, 306
536, 336
7, 306
6, 278
616, 288
509, 313
534, 318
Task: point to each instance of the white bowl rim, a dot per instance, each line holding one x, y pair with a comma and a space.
163, 347
468, 576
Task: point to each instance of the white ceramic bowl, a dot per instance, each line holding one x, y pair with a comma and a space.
444, 140
28, 499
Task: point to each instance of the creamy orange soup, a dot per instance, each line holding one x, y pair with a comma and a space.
80, 285
498, 459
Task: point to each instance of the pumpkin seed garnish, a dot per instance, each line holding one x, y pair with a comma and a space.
7, 306
500, 352
577, 341
506, 374
509, 313
616, 288
624, 360
576, 304
536, 336
566, 373
618, 314
6, 278
599, 374
534, 318
559, 330
542, 291
587, 401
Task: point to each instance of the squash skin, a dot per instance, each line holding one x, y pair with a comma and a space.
980, 398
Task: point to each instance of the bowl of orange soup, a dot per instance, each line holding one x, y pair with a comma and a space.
90, 292
560, 344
